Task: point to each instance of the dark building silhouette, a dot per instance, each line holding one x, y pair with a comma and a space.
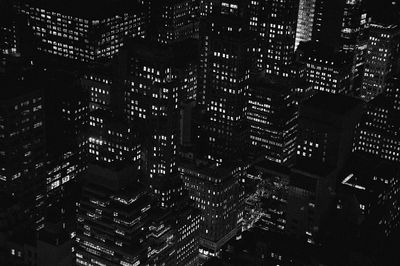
327, 125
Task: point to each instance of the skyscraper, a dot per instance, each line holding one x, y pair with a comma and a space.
225, 68
380, 60
84, 36
112, 218
325, 69
272, 114
377, 133
176, 20
305, 21
327, 125
217, 193
22, 142
275, 23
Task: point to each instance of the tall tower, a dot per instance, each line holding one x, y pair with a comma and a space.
380, 59
272, 114
275, 23
305, 21
225, 65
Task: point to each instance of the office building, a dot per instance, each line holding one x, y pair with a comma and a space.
325, 69
225, 67
217, 194
112, 139
272, 114
159, 77
311, 192
380, 59
368, 194
176, 20
337, 23
305, 21
275, 24
22, 142
327, 125
377, 133
173, 236
112, 218
85, 33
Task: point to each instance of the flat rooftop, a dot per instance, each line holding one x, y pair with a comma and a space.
333, 103
88, 9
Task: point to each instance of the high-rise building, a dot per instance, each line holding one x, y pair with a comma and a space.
98, 84
225, 66
328, 18
310, 194
207, 7
325, 69
217, 193
305, 21
173, 236
112, 139
22, 144
159, 76
353, 23
380, 59
78, 31
272, 114
377, 133
327, 125
112, 218
176, 20
275, 23
8, 30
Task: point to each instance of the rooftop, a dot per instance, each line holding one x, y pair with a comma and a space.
88, 9
333, 103
177, 54
270, 83
15, 86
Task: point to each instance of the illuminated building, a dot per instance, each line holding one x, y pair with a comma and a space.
22, 157
326, 70
217, 194
173, 237
337, 23
327, 125
84, 33
9, 42
305, 21
207, 7
275, 23
380, 59
112, 217
353, 23
159, 76
378, 131
178, 20
99, 86
112, 139
225, 67
22, 144
272, 114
